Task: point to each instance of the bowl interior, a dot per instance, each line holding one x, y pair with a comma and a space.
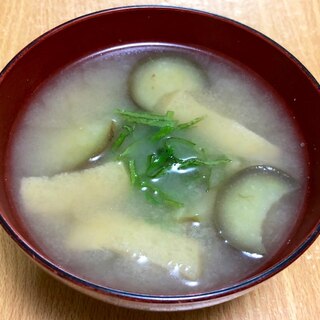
93, 33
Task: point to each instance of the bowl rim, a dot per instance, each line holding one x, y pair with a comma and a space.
70, 278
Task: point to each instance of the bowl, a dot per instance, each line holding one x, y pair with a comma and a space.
103, 30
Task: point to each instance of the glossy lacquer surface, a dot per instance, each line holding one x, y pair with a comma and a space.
25, 291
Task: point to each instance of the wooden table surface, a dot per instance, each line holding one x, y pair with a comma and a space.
26, 292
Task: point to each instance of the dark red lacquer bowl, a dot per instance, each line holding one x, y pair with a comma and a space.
106, 29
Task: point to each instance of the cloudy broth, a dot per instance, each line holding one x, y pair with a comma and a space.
79, 101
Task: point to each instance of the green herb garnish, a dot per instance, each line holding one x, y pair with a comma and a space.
126, 131
153, 194
149, 119
195, 162
163, 132
190, 123
134, 177
166, 154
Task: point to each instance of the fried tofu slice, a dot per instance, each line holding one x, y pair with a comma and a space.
75, 193
222, 134
136, 238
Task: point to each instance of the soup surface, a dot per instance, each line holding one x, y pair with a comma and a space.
157, 169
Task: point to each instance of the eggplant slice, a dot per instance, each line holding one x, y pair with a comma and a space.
244, 202
153, 78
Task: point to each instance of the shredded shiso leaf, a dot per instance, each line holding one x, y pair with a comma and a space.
168, 153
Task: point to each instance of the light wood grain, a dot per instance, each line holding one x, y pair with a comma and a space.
26, 292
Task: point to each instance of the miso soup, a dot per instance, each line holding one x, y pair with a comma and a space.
158, 169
